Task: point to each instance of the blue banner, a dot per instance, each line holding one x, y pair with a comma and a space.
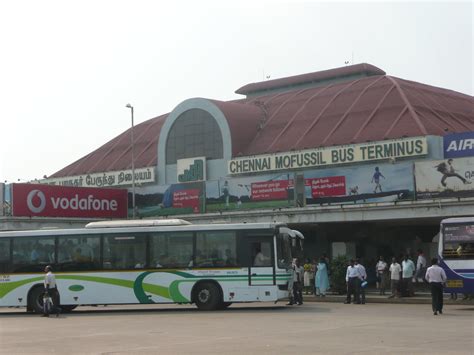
458, 145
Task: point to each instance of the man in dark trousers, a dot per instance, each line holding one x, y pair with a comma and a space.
51, 288
353, 277
298, 283
436, 277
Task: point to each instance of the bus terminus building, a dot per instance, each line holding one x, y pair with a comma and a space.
361, 162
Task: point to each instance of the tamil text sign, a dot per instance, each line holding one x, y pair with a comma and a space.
347, 154
108, 179
36, 200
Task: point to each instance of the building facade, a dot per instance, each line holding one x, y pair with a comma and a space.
363, 163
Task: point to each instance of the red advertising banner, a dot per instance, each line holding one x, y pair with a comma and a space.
35, 200
327, 186
271, 190
186, 198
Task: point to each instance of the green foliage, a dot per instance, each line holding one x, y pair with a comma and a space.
338, 267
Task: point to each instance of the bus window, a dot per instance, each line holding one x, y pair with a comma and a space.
125, 251
284, 254
4, 254
171, 250
79, 252
32, 254
458, 241
216, 249
262, 253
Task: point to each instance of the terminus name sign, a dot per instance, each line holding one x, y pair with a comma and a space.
346, 154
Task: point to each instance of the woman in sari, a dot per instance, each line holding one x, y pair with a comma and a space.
322, 279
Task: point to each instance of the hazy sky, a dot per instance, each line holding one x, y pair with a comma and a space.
67, 69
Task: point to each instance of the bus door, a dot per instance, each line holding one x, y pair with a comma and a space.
262, 261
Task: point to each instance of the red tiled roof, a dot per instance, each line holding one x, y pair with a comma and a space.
369, 108
117, 154
336, 73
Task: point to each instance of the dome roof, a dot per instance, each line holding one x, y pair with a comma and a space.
347, 105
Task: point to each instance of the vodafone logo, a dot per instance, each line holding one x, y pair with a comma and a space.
32, 200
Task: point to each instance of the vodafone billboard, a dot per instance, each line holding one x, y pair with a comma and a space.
34, 200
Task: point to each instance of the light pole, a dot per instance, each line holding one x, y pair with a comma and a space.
133, 163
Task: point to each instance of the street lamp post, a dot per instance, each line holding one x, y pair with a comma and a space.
133, 163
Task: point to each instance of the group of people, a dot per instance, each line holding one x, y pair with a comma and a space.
356, 280
401, 275
401, 279
313, 277
316, 276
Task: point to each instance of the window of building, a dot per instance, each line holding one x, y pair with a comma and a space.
215, 249
195, 133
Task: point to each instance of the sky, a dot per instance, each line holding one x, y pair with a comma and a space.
68, 68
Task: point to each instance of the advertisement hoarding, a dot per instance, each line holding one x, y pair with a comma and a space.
444, 178
250, 192
36, 200
359, 184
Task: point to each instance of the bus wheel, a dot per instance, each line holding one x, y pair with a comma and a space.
207, 297
35, 299
68, 308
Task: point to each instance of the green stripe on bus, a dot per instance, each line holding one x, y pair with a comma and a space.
139, 287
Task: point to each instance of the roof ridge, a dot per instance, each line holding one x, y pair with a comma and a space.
408, 104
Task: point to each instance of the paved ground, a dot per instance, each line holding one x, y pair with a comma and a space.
243, 329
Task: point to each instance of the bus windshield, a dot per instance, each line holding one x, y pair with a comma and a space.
458, 241
284, 250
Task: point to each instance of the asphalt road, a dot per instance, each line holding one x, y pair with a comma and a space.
242, 329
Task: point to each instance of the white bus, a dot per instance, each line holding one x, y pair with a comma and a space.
456, 253
149, 261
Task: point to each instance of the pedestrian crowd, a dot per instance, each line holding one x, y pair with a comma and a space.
397, 277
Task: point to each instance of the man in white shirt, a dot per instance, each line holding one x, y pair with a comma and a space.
408, 270
381, 272
362, 277
353, 277
260, 259
395, 271
51, 288
436, 277
420, 266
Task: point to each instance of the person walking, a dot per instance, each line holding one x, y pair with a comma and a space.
395, 272
51, 290
381, 273
408, 271
298, 283
362, 280
353, 281
436, 277
322, 278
